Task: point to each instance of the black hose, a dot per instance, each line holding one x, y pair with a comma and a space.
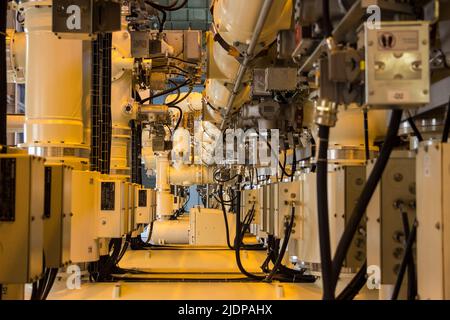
51, 280
3, 85
227, 227
366, 195
366, 135
414, 128
178, 93
412, 284
283, 249
322, 210
180, 117
446, 125
163, 93
176, 58
191, 88
238, 242
405, 261
355, 286
172, 7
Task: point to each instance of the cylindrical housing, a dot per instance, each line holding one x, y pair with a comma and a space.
236, 20
53, 81
171, 232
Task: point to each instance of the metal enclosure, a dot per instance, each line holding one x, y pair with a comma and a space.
397, 67
111, 217
207, 227
21, 218
84, 236
433, 215
346, 185
85, 16
143, 211
57, 215
385, 236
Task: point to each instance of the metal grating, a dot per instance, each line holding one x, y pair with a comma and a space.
101, 104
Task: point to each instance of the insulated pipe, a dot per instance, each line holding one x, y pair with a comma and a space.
170, 232
184, 175
54, 81
235, 20
248, 57
164, 200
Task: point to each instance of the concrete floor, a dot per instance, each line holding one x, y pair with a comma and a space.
190, 264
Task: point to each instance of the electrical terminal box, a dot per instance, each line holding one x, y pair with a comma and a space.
21, 218
397, 64
57, 215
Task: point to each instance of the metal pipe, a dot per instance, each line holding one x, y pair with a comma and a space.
248, 57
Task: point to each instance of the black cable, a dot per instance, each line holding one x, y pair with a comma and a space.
287, 236
51, 281
227, 227
180, 117
172, 7
322, 211
446, 125
412, 284
124, 248
366, 134
178, 93
238, 242
366, 195
176, 58
414, 128
284, 166
186, 95
406, 257
165, 92
355, 286
218, 180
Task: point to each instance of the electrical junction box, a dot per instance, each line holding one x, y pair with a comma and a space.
345, 187
140, 44
111, 208
57, 215
250, 199
21, 218
143, 211
280, 79
192, 41
75, 18
305, 245
289, 197
83, 233
385, 232
207, 227
433, 216
397, 64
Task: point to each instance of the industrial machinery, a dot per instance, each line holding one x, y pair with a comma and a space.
312, 135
